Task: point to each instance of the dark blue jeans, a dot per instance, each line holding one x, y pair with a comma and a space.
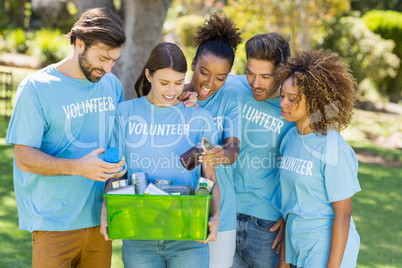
254, 243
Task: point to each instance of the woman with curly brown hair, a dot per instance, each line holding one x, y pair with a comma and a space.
217, 40
318, 170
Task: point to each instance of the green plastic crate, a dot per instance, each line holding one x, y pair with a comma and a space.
158, 217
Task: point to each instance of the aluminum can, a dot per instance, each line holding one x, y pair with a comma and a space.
119, 184
140, 181
162, 183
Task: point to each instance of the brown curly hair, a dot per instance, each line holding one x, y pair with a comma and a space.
218, 36
328, 85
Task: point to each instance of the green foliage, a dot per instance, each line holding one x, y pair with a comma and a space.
16, 41
50, 46
299, 19
367, 5
388, 24
240, 63
185, 28
369, 56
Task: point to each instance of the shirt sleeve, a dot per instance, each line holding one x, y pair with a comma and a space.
340, 173
27, 124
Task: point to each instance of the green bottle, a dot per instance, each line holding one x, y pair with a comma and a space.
202, 189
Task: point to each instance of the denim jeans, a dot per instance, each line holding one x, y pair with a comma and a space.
159, 254
254, 243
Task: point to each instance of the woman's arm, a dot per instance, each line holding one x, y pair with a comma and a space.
340, 231
282, 263
208, 172
218, 155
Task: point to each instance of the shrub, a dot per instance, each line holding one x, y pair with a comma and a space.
50, 46
185, 28
17, 41
368, 55
388, 24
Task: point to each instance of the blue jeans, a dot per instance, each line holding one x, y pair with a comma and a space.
163, 253
254, 243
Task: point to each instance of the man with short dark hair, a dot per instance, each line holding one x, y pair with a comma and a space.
61, 122
256, 176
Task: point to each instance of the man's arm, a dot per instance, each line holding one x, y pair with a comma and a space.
90, 166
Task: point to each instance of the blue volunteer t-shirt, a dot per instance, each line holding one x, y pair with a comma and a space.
68, 118
152, 138
256, 177
315, 171
225, 107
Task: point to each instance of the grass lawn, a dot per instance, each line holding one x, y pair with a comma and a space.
375, 208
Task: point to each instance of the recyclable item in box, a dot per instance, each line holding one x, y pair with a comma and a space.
152, 189
130, 189
140, 181
178, 189
204, 186
155, 217
162, 183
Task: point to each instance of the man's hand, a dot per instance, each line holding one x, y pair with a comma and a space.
189, 99
277, 242
92, 167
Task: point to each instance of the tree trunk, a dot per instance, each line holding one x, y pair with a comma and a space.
50, 11
84, 5
21, 14
304, 38
143, 26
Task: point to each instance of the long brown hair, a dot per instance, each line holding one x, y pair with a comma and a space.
164, 55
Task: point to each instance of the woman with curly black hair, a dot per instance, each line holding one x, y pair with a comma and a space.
318, 170
217, 40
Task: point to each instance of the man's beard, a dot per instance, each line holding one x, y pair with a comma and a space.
87, 68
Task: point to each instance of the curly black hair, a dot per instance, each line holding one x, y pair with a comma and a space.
218, 36
328, 85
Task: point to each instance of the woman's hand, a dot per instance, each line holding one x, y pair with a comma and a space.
189, 99
103, 228
213, 226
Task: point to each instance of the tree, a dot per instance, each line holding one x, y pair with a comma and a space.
12, 14
143, 26
84, 5
143, 23
301, 19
